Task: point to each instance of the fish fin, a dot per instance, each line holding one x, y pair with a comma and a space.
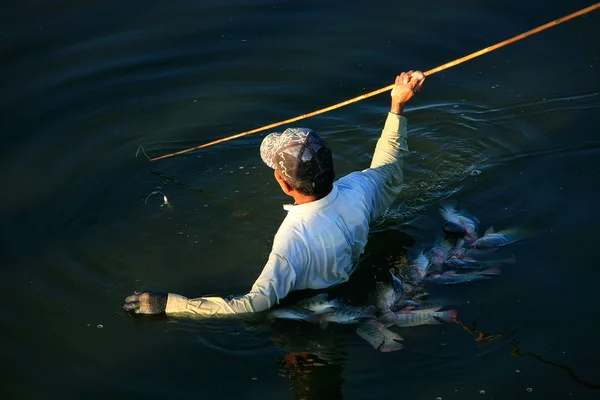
489, 231
396, 283
491, 271
389, 346
448, 212
448, 316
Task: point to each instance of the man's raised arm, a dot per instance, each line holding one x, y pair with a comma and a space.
382, 182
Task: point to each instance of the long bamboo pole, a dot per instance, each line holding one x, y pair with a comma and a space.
390, 87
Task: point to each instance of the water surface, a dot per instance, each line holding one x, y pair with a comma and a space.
511, 136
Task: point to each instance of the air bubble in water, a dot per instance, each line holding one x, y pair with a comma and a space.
482, 391
100, 326
529, 390
475, 172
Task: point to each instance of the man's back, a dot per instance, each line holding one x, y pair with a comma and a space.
323, 240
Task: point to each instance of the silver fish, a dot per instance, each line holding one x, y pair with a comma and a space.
457, 252
402, 304
385, 296
421, 265
496, 239
398, 285
438, 253
470, 223
295, 313
451, 277
423, 316
379, 336
319, 304
348, 315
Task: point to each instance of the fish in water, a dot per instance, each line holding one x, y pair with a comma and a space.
470, 223
462, 264
379, 336
296, 313
458, 252
347, 315
452, 277
385, 296
421, 265
398, 285
319, 304
423, 316
438, 253
405, 304
493, 239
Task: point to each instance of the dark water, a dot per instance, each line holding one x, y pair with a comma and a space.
512, 136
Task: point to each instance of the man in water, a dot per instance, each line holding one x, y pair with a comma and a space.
319, 243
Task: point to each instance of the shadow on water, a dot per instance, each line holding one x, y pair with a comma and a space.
516, 352
484, 339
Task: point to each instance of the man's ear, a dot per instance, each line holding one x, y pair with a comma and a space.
287, 189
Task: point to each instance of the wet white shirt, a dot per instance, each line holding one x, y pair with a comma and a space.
318, 244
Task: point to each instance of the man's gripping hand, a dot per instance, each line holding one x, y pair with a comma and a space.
406, 85
146, 302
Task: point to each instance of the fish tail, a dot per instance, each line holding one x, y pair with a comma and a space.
448, 316
448, 212
389, 346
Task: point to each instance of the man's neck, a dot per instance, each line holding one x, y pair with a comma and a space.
302, 199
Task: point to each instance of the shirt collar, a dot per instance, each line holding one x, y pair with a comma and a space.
313, 205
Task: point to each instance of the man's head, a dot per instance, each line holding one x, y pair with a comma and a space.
301, 159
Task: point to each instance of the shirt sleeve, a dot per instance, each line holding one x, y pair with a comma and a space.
274, 283
382, 182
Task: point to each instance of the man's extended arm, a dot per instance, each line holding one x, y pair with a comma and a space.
382, 182
274, 283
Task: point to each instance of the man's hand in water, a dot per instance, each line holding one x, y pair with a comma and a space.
146, 303
407, 84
